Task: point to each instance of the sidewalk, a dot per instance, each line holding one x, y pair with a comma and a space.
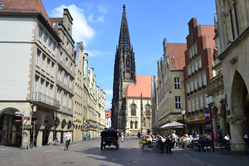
43, 148
214, 158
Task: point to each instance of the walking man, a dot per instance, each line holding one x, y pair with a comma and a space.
89, 136
122, 136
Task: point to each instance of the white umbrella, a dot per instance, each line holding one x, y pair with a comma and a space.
173, 124
165, 125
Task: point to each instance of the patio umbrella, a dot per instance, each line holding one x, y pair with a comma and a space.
173, 124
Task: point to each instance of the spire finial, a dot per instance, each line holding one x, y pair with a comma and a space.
123, 6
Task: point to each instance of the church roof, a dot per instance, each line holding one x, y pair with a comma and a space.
143, 85
25, 6
176, 55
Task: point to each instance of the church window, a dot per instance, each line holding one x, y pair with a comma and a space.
133, 110
136, 125
147, 109
178, 102
231, 17
131, 125
177, 83
236, 18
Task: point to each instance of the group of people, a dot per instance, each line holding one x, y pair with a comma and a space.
161, 141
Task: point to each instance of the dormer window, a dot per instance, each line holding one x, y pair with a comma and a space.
55, 24
1, 5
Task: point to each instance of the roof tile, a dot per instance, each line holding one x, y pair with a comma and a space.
143, 85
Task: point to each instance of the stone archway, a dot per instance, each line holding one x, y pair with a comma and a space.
214, 118
237, 95
10, 130
238, 90
48, 131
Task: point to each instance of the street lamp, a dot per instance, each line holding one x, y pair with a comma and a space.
183, 114
210, 102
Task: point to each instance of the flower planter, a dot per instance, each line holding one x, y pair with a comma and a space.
204, 86
195, 90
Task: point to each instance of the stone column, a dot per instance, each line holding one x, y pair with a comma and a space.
39, 138
215, 123
238, 145
39, 133
58, 135
222, 124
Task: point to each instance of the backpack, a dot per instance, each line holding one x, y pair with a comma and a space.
143, 139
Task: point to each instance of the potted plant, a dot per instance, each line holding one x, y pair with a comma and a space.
195, 90
199, 88
204, 86
191, 92
187, 94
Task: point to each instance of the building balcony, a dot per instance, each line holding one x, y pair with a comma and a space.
216, 83
44, 100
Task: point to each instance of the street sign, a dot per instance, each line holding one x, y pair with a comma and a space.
207, 111
19, 113
207, 118
18, 120
26, 118
36, 122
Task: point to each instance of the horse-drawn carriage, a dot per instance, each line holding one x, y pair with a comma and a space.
109, 138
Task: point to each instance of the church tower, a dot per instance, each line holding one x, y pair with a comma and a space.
124, 73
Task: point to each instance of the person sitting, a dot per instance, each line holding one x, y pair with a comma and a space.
169, 145
197, 137
148, 140
160, 145
227, 138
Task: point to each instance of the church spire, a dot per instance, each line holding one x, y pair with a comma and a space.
124, 37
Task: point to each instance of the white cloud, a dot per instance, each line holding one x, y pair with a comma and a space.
108, 105
100, 19
81, 30
94, 53
108, 92
103, 8
90, 18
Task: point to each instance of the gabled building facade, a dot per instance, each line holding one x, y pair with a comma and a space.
197, 72
78, 91
65, 75
171, 92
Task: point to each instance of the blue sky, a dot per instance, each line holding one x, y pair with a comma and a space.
97, 24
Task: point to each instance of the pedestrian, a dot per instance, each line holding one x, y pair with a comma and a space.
220, 135
122, 136
89, 136
138, 134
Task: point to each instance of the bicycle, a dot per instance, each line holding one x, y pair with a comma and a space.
223, 147
66, 145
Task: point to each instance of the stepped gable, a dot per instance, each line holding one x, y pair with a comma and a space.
143, 85
177, 50
25, 6
208, 31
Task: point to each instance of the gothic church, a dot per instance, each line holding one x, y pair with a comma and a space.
131, 103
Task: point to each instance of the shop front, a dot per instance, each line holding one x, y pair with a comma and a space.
10, 131
196, 122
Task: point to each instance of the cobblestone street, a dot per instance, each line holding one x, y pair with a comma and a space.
89, 153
